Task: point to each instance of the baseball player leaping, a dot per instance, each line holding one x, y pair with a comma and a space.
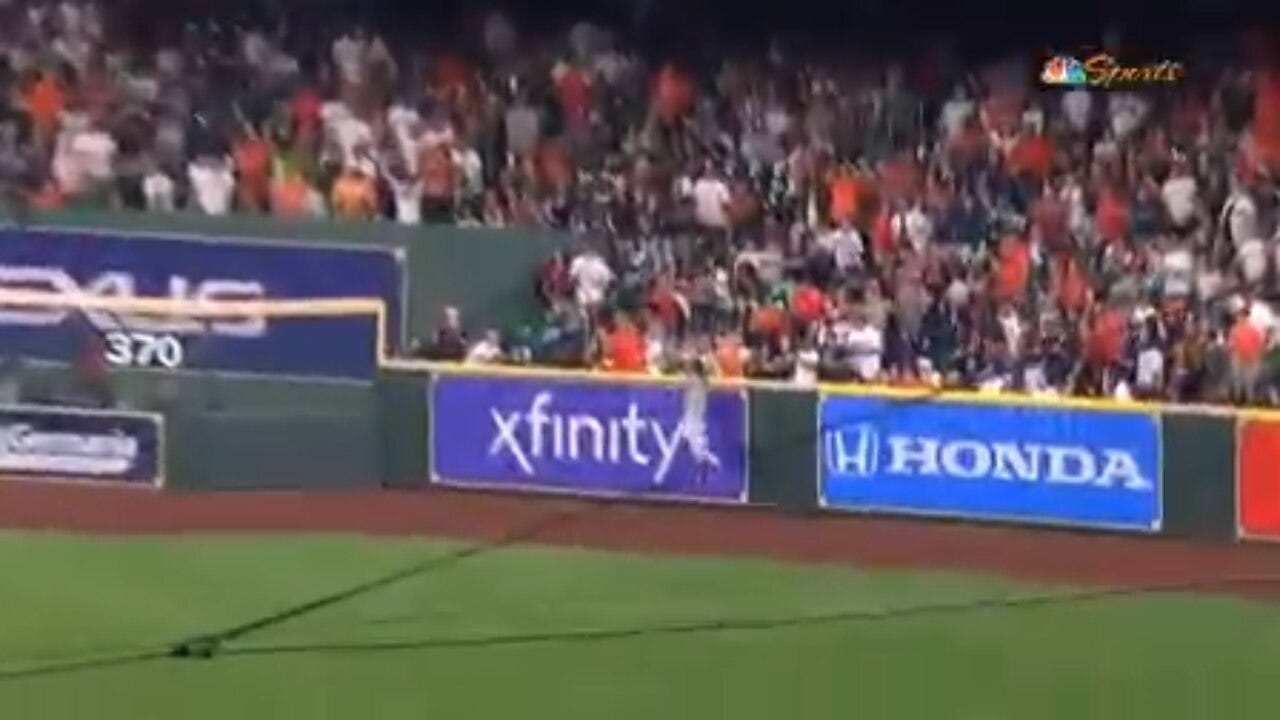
697, 389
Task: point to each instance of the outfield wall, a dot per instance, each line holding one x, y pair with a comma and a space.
1132, 468
1091, 465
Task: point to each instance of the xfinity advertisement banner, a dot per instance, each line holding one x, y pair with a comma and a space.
192, 268
584, 437
57, 443
1067, 466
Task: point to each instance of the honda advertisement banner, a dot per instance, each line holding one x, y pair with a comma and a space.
588, 438
71, 444
194, 268
1081, 467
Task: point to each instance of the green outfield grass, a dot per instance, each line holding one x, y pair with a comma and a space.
67, 598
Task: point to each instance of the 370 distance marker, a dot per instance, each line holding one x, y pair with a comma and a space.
127, 348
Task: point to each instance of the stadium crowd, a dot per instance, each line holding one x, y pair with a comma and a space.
932, 225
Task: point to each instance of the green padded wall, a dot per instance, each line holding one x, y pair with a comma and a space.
784, 443
402, 401
249, 433
312, 451
1199, 460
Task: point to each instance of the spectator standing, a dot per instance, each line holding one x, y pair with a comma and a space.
591, 277
449, 343
1247, 344
354, 196
158, 190
212, 184
253, 156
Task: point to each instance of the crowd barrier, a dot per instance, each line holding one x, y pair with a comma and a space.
1093, 465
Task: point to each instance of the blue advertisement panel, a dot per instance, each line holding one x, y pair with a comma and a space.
56, 443
1063, 466
122, 265
587, 438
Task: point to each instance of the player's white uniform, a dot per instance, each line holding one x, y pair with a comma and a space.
696, 391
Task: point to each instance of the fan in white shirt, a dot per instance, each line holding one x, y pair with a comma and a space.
1079, 220
1149, 374
1077, 106
1240, 216
406, 190
711, 201
806, 369
865, 343
591, 278
349, 56
1180, 195
1177, 270
213, 184
1262, 316
67, 166
96, 151
255, 48
405, 122
471, 167
1128, 111
957, 112
158, 189
1252, 256
1011, 327
488, 350
915, 225
348, 131
845, 245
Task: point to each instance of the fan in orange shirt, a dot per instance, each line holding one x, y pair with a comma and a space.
1247, 344
1070, 286
253, 155
844, 197
731, 356
354, 196
289, 195
770, 321
45, 100
673, 94
624, 348
808, 305
1013, 269
1113, 215
1031, 154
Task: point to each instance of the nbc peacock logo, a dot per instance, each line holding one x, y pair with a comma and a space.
1064, 70
1103, 71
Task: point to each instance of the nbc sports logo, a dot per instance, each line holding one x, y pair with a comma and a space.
1063, 70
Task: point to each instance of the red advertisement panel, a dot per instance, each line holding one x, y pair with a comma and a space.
1258, 470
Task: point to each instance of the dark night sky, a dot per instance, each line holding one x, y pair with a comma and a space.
876, 27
